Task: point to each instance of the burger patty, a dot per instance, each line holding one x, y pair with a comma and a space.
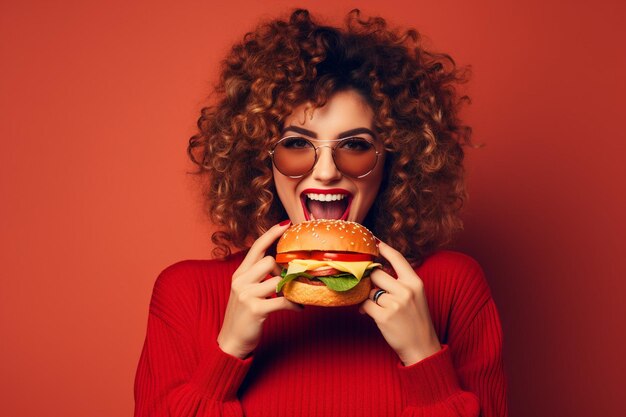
324, 271
319, 272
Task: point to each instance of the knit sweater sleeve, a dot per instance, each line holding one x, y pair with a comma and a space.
175, 376
466, 377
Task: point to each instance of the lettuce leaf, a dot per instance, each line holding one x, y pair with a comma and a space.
290, 277
339, 282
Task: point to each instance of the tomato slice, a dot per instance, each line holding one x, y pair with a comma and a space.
284, 258
340, 256
324, 272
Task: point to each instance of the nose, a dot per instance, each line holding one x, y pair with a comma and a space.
325, 169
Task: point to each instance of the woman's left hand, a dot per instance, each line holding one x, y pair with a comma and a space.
402, 313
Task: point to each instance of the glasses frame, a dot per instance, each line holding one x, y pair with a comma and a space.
332, 148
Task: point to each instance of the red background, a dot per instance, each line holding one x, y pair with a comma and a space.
99, 98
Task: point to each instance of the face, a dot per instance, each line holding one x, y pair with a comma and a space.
326, 192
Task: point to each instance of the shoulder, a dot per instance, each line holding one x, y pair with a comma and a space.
452, 265
187, 274
457, 271
450, 260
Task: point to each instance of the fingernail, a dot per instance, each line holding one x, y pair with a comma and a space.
284, 222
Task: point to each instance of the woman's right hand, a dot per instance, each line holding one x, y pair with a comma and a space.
248, 306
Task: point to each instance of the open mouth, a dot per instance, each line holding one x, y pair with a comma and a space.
326, 204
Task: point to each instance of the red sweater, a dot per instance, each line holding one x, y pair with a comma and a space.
321, 361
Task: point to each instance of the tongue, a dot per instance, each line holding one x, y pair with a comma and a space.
327, 209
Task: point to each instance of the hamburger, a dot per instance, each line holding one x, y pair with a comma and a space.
326, 262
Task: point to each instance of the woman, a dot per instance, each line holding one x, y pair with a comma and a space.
219, 340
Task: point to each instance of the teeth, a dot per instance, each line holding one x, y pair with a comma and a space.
326, 197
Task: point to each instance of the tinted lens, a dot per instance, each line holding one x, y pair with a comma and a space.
355, 157
294, 156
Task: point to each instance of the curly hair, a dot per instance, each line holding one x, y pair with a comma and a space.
282, 64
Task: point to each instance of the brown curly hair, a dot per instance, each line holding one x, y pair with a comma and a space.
282, 64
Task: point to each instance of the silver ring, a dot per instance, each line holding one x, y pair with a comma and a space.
377, 295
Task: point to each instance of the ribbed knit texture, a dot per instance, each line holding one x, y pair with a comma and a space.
321, 361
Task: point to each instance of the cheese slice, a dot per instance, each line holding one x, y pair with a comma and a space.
355, 268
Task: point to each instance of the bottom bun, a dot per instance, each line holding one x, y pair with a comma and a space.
321, 295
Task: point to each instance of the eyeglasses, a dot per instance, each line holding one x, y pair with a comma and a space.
295, 156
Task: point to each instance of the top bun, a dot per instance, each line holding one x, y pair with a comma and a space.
328, 235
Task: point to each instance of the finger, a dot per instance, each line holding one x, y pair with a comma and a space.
383, 299
277, 269
257, 272
279, 303
265, 288
403, 268
371, 309
258, 248
385, 281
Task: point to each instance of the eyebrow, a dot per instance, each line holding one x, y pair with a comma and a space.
342, 135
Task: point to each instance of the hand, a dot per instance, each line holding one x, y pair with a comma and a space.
248, 306
402, 312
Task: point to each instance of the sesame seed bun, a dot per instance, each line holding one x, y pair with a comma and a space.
328, 235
